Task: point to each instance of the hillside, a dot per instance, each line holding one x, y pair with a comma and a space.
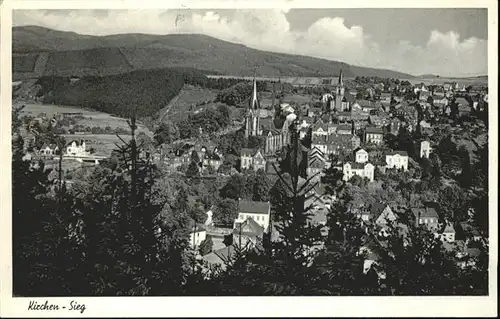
72, 54
142, 92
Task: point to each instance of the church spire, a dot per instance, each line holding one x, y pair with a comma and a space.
341, 78
254, 103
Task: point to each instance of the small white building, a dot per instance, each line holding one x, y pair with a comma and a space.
425, 149
76, 148
361, 169
397, 159
361, 156
448, 234
260, 212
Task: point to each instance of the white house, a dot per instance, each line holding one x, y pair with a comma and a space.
425, 149
361, 156
361, 169
48, 150
448, 234
260, 212
76, 148
397, 159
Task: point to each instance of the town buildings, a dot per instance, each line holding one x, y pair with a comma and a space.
252, 159
426, 216
374, 135
259, 212
397, 159
425, 149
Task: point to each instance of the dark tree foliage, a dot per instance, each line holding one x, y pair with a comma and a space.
225, 212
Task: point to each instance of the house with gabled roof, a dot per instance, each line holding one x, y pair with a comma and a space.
361, 155
252, 158
48, 149
382, 214
426, 216
448, 233
344, 129
315, 166
260, 212
360, 169
248, 233
319, 128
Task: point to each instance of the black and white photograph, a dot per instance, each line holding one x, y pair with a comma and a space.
230, 152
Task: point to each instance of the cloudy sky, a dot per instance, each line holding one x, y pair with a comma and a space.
448, 42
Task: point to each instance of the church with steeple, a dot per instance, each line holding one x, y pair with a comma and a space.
252, 119
274, 130
342, 99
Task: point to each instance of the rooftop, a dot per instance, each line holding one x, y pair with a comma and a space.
374, 130
248, 228
427, 212
248, 206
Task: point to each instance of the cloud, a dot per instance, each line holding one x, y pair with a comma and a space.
328, 37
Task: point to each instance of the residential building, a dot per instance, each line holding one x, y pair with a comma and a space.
425, 149
315, 166
319, 129
360, 169
212, 159
448, 234
361, 156
426, 216
260, 212
397, 159
76, 148
382, 214
440, 101
335, 144
374, 135
420, 88
344, 129
248, 233
252, 159
380, 121
48, 150
386, 97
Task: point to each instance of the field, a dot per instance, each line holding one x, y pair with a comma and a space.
439, 81
103, 144
93, 118
186, 102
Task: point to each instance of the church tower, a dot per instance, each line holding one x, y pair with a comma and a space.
252, 120
339, 94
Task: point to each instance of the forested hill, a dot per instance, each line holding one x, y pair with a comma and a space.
140, 92
39, 51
